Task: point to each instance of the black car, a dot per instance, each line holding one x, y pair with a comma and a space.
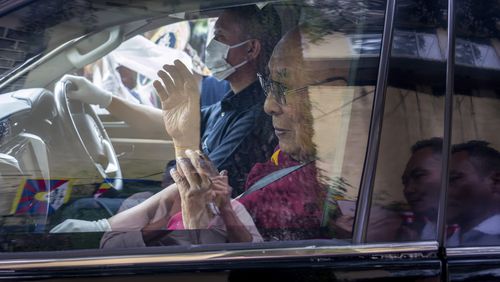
401, 179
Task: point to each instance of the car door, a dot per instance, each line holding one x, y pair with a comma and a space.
391, 98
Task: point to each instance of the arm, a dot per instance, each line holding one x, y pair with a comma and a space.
145, 119
135, 226
180, 99
153, 209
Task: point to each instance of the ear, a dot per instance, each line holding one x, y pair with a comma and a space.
495, 179
254, 49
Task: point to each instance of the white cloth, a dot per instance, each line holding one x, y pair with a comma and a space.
76, 225
145, 57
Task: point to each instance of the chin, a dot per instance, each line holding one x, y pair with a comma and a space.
297, 153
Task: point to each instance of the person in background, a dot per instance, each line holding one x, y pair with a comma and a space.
474, 193
422, 184
212, 90
235, 133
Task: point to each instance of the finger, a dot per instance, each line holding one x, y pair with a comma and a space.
223, 173
167, 81
195, 160
181, 181
184, 72
177, 79
190, 173
199, 165
221, 188
160, 90
190, 84
207, 164
221, 185
219, 179
202, 163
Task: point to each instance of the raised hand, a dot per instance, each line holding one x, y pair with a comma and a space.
180, 100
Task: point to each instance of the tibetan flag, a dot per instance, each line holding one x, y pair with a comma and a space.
40, 196
103, 188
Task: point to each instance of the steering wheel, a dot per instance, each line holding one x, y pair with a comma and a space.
81, 121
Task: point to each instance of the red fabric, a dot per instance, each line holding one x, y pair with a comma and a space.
175, 223
293, 203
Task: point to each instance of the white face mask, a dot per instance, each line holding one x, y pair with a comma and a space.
216, 55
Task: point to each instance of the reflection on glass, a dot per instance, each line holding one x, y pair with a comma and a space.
407, 179
473, 215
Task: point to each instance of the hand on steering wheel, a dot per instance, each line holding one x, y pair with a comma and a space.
86, 92
84, 126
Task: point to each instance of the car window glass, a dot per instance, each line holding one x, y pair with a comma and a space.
472, 212
289, 144
408, 179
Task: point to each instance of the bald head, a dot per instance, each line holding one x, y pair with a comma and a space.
295, 61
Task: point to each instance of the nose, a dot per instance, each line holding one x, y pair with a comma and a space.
409, 188
272, 107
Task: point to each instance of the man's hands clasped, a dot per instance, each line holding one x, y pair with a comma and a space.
203, 190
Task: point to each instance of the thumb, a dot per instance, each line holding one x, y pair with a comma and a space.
223, 173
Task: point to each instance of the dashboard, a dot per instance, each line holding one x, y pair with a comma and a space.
28, 128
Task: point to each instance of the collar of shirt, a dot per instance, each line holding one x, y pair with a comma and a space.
490, 226
429, 231
248, 97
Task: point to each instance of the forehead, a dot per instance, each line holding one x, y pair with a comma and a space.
227, 24
287, 57
461, 161
304, 60
424, 157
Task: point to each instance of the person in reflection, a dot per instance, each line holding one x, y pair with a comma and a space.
474, 193
422, 181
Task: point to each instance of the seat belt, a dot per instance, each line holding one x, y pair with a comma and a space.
270, 178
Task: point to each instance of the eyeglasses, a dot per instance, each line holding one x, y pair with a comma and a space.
278, 91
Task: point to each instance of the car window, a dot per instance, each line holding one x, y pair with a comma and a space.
408, 172
472, 212
282, 136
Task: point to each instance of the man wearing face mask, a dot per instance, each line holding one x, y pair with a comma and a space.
236, 133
